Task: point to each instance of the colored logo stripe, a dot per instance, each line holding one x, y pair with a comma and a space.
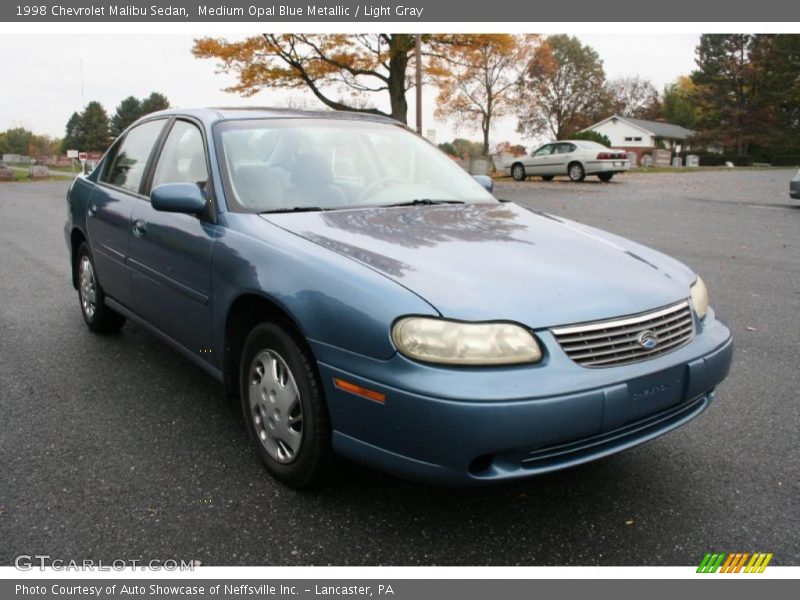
734, 562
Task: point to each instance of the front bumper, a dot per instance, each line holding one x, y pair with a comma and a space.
468, 426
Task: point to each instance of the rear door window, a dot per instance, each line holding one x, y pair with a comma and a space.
129, 164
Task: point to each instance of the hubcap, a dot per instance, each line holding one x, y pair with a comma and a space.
575, 172
275, 406
517, 172
86, 287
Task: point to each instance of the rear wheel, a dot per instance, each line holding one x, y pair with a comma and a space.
99, 317
547, 177
284, 406
605, 177
518, 172
576, 172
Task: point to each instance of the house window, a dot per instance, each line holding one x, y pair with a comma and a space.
628, 139
637, 139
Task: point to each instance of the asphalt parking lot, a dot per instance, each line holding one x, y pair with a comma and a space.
117, 448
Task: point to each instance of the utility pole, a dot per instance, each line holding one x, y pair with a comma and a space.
418, 78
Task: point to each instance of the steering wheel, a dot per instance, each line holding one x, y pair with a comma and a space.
375, 187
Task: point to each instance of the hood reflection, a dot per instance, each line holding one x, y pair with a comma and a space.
431, 225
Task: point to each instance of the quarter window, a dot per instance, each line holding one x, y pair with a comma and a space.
183, 159
130, 162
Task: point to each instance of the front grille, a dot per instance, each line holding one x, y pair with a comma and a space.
620, 341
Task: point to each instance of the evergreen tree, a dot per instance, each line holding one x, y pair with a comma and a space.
127, 112
73, 136
154, 102
727, 85
95, 127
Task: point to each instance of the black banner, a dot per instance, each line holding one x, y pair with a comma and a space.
430, 11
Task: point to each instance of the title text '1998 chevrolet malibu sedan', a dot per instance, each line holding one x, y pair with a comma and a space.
361, 295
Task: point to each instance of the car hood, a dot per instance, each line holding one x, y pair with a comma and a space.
499, 261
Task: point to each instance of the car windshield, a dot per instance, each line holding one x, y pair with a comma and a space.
288, 164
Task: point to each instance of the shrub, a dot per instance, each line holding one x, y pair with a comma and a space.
592, 136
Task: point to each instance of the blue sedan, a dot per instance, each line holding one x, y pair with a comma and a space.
359, 295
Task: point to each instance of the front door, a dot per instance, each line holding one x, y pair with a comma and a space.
539, 162
170, 253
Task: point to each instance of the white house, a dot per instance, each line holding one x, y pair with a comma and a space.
641, 136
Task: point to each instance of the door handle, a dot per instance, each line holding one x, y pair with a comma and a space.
139, 228
91, 210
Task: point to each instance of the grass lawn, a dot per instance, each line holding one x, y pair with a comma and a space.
22, 174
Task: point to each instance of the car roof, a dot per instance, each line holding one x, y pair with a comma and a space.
213, 114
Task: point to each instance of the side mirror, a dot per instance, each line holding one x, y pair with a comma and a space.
486, 182
178, 198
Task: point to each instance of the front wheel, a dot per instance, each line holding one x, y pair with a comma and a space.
576, 172
284, 406
99, 317
518, 172
605, 177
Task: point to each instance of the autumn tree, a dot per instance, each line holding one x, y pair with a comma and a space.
478, 78
15, 141
678, 103
564, 89
462, 148
329, 65
513, 149
19, 140
633, 97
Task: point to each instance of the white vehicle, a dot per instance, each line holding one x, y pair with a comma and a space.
574, 158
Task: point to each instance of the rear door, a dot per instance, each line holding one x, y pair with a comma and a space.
170, 253
111, 205
562, 154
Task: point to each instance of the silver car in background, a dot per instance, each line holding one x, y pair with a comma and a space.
794, 186
572, 158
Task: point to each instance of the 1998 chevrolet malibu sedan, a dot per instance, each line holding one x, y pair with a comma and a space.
362, 296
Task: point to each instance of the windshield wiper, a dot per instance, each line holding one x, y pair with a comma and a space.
293, 209
424, 202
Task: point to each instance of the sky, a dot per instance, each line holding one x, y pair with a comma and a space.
46, 74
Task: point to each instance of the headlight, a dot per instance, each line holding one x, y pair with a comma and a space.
700, 297
449, 342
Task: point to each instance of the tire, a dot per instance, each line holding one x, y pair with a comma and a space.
576, 172
518, 172
99, 317
605, 177
547, 177
284, 406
